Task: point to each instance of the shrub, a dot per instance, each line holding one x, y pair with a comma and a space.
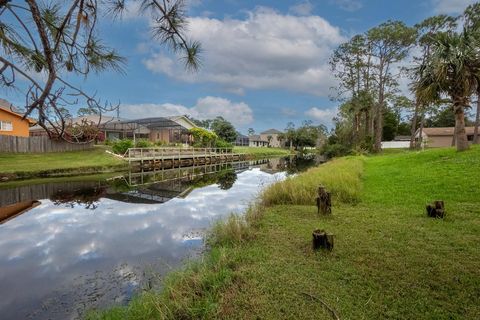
220, 143
203, 137
121, 146
335, 150
143, 143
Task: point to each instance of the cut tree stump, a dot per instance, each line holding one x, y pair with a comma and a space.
324, 201
322, 240
436, 210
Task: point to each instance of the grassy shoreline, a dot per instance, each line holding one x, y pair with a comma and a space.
21, 166
18, 166
389, 260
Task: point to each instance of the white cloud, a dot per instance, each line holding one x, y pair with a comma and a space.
266, 50
238, 113
302, 9
450, 6
348, 5
321, 115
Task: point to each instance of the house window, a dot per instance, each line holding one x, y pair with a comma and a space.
6, 126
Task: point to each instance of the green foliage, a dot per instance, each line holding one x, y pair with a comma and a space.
202, 137
220, 143
307, 135
143, 143
121, 146
224, 129
391, 121
335, 150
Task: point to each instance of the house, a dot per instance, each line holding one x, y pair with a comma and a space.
257, 141
13, 123
94, 120
441, 137
160, 129
272, 137
165, 129
242, 140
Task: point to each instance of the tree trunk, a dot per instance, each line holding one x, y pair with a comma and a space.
476, 138
367, 123
378, 127
461, 134
420, 130
413, 129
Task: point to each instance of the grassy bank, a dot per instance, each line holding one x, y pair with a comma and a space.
262, 152
389, 261
32, 165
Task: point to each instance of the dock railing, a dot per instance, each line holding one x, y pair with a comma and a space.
160, 153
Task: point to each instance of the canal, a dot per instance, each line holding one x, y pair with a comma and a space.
70, 245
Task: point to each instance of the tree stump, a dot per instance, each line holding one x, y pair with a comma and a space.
324, 201
322, 240
436, 210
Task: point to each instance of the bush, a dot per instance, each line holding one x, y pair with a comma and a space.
220, 143
121, 146
143, 143
335, 150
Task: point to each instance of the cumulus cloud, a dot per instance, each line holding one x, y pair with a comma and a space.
321, 115
264, 51
238, 113
450, 6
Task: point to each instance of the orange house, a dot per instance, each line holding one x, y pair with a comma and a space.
13, 124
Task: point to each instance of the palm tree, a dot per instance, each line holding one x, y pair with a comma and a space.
452, 70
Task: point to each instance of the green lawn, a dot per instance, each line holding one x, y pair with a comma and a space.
263, 152
36, 162
390, 261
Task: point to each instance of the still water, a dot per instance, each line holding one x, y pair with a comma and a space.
70, 246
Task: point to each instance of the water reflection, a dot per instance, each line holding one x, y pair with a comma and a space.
87, 244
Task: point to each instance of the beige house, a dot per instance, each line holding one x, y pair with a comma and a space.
271, 136
257, 141
441, 137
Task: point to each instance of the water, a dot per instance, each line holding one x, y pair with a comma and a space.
71, 246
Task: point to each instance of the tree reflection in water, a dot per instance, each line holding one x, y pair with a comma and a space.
88, 197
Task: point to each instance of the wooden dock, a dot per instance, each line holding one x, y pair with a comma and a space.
180, 157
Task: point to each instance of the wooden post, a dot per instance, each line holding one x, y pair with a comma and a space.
322, 240
436, 210
324, 201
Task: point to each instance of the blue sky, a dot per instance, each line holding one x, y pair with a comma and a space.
265, 63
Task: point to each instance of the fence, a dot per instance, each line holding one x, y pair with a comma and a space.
40, 144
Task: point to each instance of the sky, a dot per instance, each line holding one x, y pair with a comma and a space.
264, 63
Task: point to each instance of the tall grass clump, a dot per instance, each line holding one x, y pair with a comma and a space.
342, 177
235, 229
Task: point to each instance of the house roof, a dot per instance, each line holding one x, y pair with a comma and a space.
256, 138
444, 131
7, 107
240, 135
90, 118
271, 131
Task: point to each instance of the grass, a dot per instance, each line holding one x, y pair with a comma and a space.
389, 262
341, 177
49, 164
263, 152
